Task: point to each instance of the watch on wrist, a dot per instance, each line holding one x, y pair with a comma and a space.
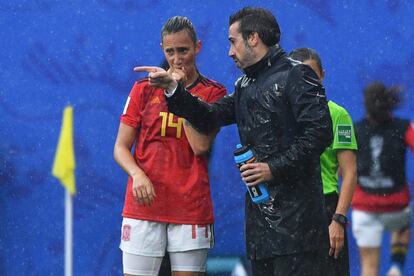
341, 219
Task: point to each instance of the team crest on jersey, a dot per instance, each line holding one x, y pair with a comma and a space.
344, 133
155, 100
126, 232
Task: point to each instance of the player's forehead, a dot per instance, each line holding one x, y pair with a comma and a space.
177, 40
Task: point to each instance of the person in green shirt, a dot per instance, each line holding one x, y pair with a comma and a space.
338, 158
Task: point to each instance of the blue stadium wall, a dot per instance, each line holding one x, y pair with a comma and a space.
54, 53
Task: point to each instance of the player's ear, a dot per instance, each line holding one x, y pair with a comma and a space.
198, 46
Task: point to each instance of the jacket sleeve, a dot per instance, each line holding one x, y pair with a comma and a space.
203, 116
307, 100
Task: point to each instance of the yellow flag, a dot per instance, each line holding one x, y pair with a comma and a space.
64, 164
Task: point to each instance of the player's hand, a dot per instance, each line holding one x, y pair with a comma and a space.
158, 77
336, 238
255, 173
142, 189
179, 74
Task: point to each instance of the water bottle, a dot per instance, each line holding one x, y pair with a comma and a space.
243, 155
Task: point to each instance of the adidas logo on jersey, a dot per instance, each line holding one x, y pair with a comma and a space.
155, 100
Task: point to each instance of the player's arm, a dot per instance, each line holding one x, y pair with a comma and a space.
347, 166
409, 136
142, 187
200, 143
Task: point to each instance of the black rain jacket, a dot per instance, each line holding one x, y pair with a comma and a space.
281, 111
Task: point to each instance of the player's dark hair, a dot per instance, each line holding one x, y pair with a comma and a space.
302, 54
257, 20
380, 101
177, 24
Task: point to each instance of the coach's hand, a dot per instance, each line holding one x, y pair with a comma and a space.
255, 173
336, 238
142, 189
158, 77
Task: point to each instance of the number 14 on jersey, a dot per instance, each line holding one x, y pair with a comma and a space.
168, 121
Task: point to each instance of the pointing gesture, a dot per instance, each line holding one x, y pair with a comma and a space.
158, 77
149, 69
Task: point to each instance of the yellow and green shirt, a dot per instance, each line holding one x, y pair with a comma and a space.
344, 139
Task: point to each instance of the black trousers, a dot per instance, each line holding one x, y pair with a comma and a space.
310, 263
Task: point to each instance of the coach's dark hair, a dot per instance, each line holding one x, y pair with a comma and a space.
380, 101
257, 20
302, 54
177, 24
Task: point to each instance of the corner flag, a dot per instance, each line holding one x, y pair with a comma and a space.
64, 164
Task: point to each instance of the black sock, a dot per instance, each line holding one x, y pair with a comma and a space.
398, 253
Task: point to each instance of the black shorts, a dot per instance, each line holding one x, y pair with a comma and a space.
310, 263
339, 266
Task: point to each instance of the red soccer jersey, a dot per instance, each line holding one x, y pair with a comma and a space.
385, 203
162, 151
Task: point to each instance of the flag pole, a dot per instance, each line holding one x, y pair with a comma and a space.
68, 233
64, 170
